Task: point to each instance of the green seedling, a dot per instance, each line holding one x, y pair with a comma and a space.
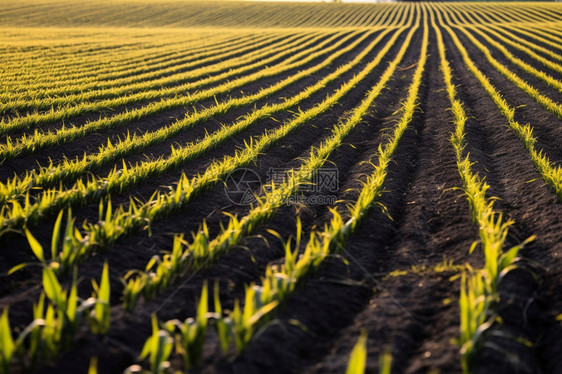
358, 359
99, 316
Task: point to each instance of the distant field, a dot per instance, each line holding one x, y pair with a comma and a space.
253, 186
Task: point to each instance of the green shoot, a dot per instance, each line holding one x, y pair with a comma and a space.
159, 347
99, 316
7, 346
358, 359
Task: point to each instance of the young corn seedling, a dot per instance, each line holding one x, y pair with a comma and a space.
158, 348
385, 362
93, 368
99, 316
224, 328
133, 289
358, 359
278, 282
63, 313
246, 320
160, 272
53, 327
64, 255
187, 337
7, 344
476, 314
357, 363
193, 331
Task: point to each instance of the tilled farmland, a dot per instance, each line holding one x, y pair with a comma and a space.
263, 187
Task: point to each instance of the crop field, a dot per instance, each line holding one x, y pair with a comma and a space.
268, 187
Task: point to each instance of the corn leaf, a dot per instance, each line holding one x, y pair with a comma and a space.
52, 287
7, 346
35, 246
56, 236
358, 358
